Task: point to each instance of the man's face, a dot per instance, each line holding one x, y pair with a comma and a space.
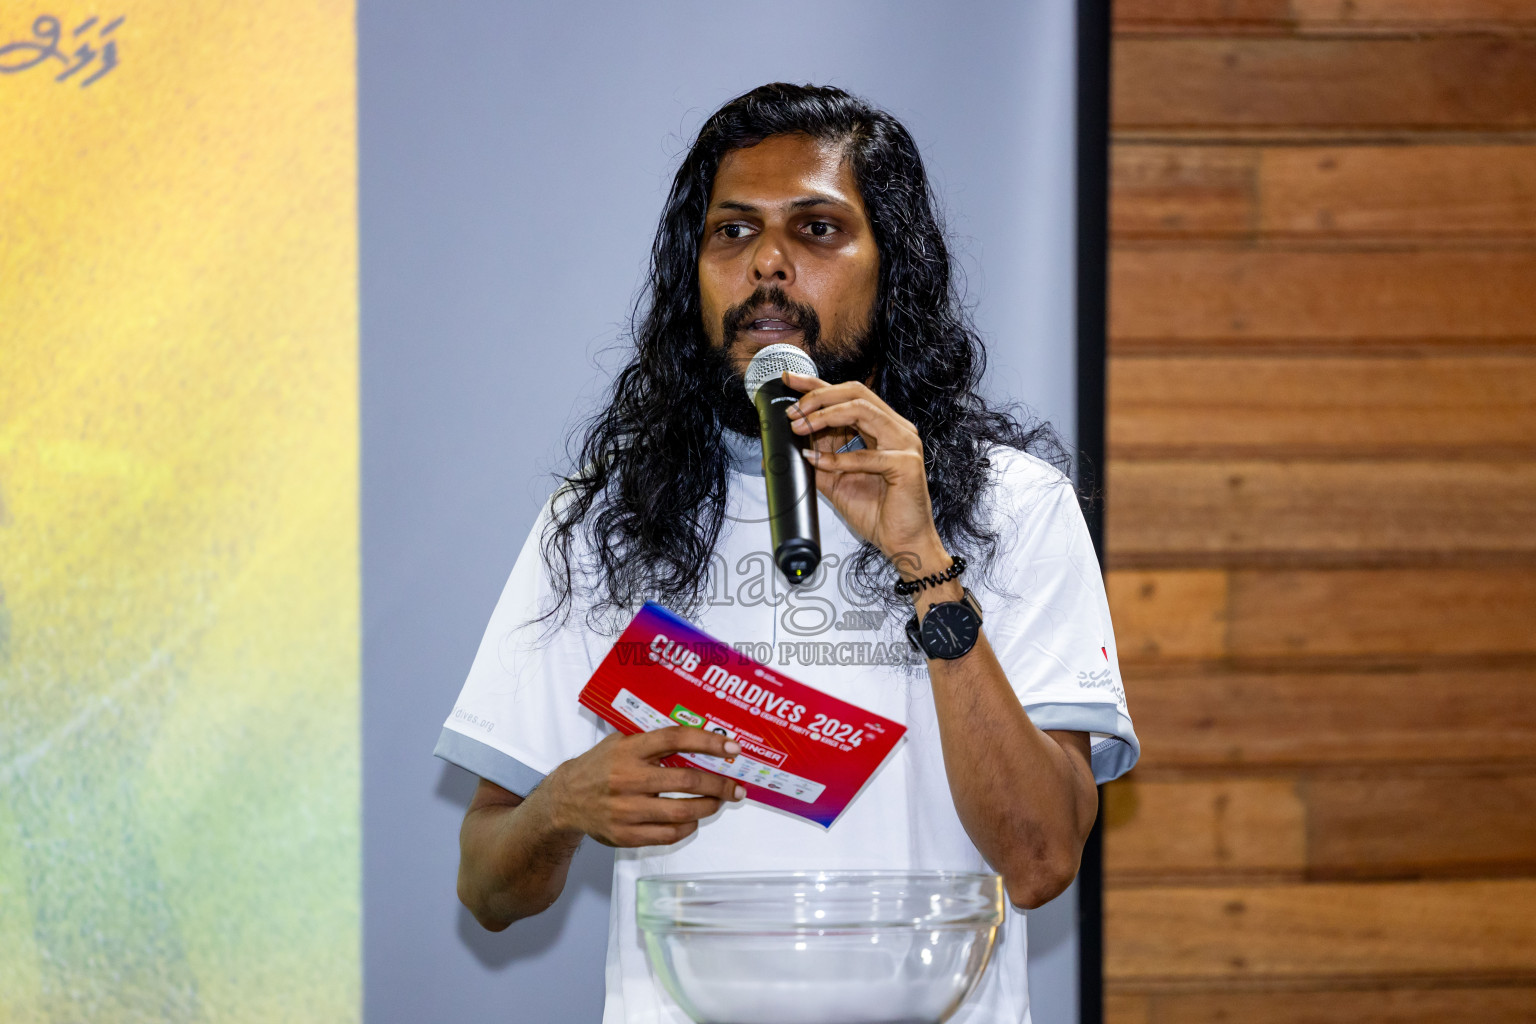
788, 255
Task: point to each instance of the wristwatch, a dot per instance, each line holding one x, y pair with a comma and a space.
949, 630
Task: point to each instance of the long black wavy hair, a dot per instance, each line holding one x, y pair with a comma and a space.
650, 490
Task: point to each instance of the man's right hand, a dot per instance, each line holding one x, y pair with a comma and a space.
515, 853
611, 792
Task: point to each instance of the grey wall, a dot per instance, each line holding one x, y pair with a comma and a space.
514, 157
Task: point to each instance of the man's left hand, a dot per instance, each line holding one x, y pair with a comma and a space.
882, 491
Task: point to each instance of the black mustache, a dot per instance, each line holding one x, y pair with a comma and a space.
801, 315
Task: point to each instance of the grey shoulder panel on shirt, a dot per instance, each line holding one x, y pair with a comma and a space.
1113, 756
487, 762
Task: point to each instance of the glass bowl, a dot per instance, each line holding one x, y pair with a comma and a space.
837, 947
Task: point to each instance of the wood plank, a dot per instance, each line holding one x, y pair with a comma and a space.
1320, 406
1468, 822
1322, 192
1404, 823
1169, 614
1127, 1009
1392, 191
1277, 615
1378, 1006
1321, 932
1183, 191
1422, 14
1340, 613
1214, 294
1437, 82
1203, 827
1237, 720
1283, 16
1198, 15
1173, 512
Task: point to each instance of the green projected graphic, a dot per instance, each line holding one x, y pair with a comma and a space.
179, 776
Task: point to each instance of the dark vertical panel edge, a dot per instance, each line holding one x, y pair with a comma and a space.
1093, 70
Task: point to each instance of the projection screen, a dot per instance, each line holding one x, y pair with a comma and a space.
178, 513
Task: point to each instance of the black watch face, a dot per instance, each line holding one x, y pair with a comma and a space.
949, 630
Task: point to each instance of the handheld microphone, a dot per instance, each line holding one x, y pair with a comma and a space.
791, 480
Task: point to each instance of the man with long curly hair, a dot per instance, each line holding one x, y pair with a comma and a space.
802, 215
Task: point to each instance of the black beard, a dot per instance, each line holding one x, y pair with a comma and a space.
837, 361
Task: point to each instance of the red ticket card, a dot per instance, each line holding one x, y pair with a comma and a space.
802, 750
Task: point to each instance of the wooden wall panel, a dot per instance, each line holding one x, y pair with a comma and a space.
1214, 719
1333, 16
1426, 192
1321, 193
1204, 827
1487, 15
1195, 15
1215, 295
1237, 512
1390, 613
1183, 191
1463, 83
1300, 407
1168, 936
1372, 614
1121, 1008
1428, 822
1322, 511
1170, 614
1461, 1005
1418, 824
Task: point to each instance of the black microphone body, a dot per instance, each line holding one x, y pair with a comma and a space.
791, 485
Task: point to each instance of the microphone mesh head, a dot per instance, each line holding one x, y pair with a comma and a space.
772, 361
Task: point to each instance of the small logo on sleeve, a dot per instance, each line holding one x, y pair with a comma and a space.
1102, 680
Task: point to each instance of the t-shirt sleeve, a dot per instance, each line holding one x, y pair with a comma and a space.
517, 717
1047, 617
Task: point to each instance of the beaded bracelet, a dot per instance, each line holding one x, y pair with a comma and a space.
906, 588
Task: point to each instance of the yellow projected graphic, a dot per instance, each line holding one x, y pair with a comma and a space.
179, 836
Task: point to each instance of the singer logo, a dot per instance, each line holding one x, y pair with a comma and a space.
761, 752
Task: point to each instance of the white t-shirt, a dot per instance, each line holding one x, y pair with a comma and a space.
1045, 615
